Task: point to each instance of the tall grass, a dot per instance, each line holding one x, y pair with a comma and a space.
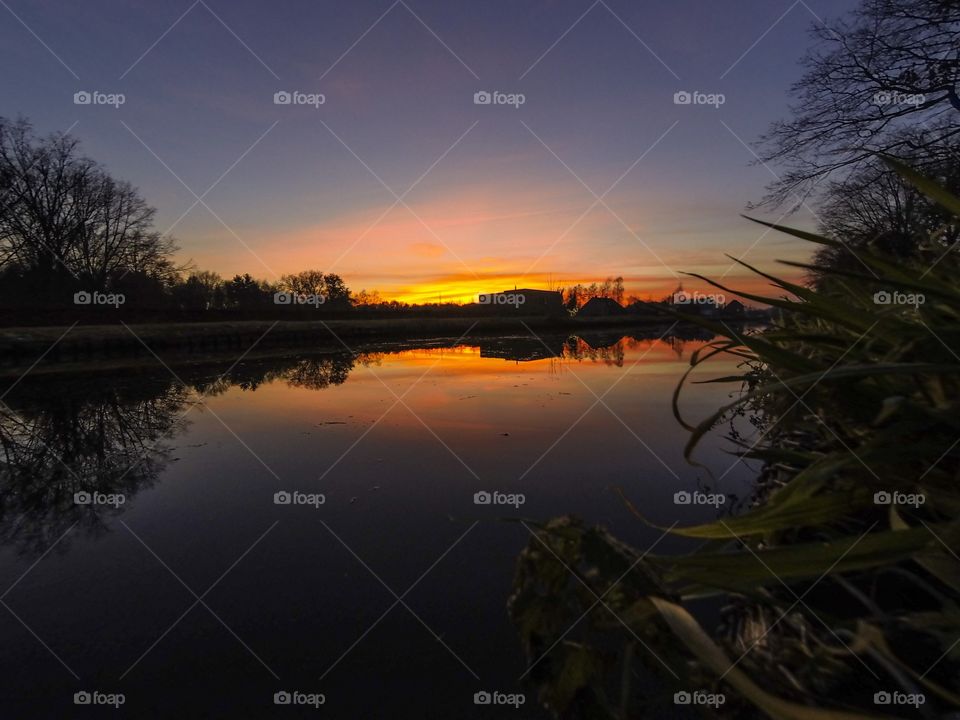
841, 581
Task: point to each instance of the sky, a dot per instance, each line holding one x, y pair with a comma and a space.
385, 169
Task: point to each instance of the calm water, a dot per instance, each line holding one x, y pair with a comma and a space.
297, 597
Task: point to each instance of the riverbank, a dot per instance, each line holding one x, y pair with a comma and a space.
23, 347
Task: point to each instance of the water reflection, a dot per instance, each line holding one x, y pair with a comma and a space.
311, 373
608, 346
66, 439
112, 434
521, 349
59, 439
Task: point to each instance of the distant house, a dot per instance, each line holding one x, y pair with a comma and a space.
694, 304
524, 301
639, 307
601, 307
734, 308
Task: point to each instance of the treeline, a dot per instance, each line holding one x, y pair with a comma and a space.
205, 291
576, 296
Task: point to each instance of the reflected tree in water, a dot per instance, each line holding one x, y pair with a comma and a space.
60, 436
58, 439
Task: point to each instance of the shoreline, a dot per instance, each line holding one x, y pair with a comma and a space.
55, 347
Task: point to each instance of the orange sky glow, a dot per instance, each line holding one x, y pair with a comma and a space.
459, 242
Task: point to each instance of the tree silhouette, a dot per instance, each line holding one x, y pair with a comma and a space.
870, 81
62, 215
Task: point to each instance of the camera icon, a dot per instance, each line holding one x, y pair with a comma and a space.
682, 497
482, 97
482, 698
283, 298
82, 98
882, 698
282, 698
882, 297
282, 498
482, 498
682, 698
82, 698
282, 97
82, 298
682, 97
82, 498
882, 498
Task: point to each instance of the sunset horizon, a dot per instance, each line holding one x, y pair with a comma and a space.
547, 179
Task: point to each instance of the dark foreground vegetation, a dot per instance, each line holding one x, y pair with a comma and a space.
840, 584
837, 585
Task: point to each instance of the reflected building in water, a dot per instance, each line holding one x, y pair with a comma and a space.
521, 348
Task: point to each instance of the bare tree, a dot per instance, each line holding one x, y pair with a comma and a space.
38, 208
60, 211
891, 66
874, 208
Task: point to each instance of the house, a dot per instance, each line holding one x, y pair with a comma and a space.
524, 301
695, 303
639, 307
601, 307
734, 308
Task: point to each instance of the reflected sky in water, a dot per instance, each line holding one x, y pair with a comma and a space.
397, 440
